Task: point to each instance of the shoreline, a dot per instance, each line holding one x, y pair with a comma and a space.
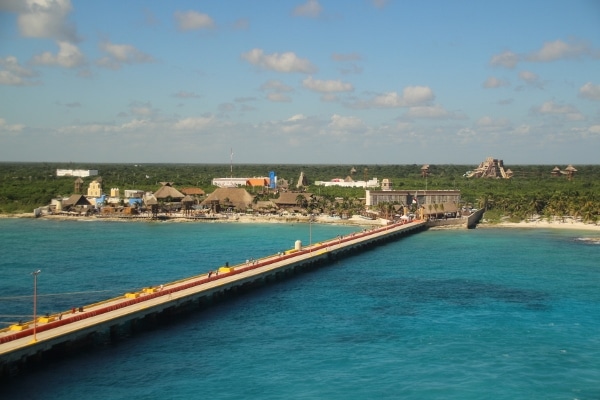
355, 220
240, 219
569, 225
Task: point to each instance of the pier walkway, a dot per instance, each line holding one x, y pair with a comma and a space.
17, 342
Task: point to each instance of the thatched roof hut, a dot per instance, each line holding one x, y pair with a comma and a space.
237, 198
168, 192
290, 199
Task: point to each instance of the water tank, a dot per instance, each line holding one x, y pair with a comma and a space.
298, 245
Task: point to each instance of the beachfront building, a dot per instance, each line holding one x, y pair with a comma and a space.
237, 182
349, 182
134, 194
229, 199
82, 173
430, 202
168, 193
95, 188
408, 197
294, 201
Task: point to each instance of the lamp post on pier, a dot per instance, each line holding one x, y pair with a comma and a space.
310, 233
35, 274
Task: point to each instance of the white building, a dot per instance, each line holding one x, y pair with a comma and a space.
76, 172
229, 182
372, 183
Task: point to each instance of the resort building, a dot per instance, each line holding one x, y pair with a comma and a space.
349, 182
82, 173
236, 182
95, 188
409, 197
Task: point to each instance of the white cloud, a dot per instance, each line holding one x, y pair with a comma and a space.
276, 91
528, 76
276, 85
297, 117
13, 73
557, 50
339, 123
594, 129
193, 20
277, 97
493, 83
521, 130
119, 54
466, 134
329, 86
284, 62
507, 59
5, 127
46, 19
68, 56
550, 51
551, 108
429, 112
311, 9
194, 123
411, 96
489, 123
590, 91
531, 79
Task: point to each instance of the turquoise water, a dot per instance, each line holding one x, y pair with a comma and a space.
485, 313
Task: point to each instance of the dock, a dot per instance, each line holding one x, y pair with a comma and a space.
25, 345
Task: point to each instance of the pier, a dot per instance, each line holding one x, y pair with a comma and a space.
29, 344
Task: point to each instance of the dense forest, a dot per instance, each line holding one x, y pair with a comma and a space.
531, 191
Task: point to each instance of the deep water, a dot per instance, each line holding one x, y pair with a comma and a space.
457, 314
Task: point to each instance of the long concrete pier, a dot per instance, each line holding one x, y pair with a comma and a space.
25, 345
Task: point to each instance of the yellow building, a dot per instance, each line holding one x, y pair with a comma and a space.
95, 189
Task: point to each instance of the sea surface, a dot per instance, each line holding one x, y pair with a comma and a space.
441, 314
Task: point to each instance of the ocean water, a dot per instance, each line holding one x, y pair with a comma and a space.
446, 314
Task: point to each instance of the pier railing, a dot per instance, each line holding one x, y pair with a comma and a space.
133, 298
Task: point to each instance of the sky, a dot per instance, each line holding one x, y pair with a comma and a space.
300, 82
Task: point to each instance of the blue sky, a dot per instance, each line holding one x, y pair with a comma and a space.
303, 82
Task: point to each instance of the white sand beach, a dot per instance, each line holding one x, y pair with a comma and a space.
544, 224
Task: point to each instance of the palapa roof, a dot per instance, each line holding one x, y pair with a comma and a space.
188, 199
167, 191
150, 200
265, 205
290, 198
76, 200
237, 197
192, 191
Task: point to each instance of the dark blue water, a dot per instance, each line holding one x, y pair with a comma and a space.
475, 314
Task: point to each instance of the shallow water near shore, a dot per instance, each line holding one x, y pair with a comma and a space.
451, 314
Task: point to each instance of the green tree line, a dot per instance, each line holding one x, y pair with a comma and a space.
531, 191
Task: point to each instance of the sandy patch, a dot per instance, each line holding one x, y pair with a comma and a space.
569, 224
